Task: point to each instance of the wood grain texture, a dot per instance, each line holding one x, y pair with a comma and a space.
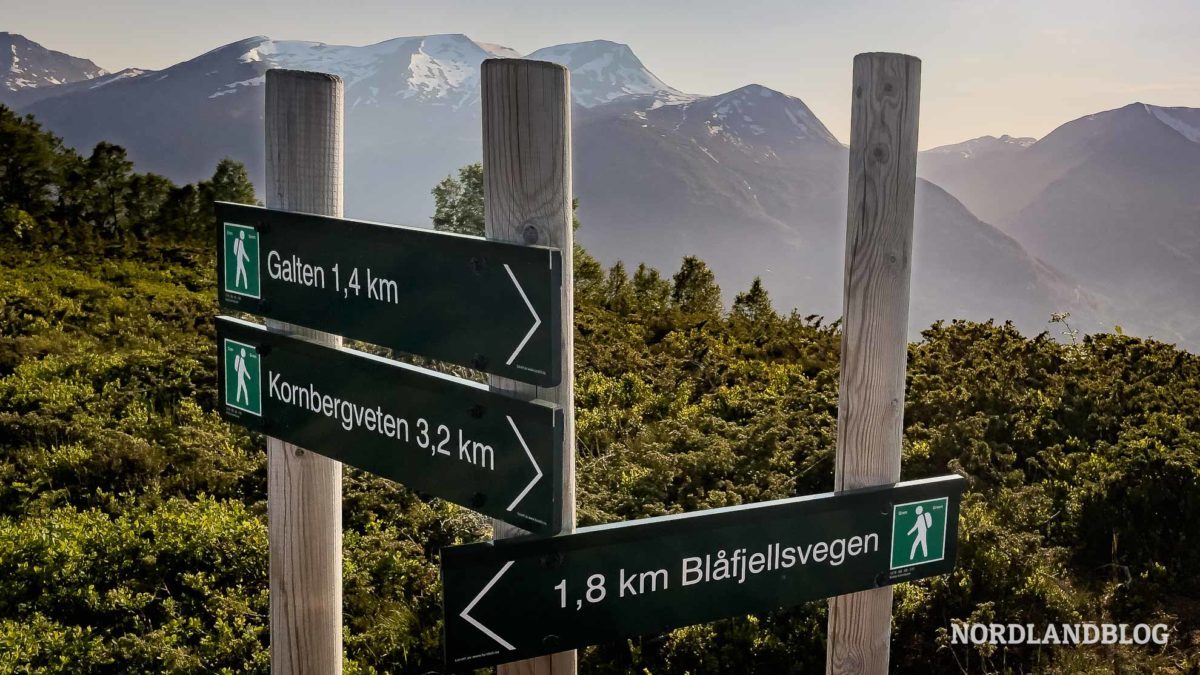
304, 146
527, 200
879, 226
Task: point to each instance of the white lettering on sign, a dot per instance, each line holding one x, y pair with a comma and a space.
735, 565
294, 270
776, 556
350, 415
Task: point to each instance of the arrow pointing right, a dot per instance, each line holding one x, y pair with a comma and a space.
532, 461
471, 620
537, 320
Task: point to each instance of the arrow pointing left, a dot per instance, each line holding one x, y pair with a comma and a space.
471, 620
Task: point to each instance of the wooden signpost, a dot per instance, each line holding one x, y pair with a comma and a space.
503, 306
527, 200
879, 225
304, 490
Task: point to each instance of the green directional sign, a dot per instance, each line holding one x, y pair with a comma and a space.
487, 305
443, 435
515, 598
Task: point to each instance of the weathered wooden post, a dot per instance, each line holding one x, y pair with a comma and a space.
879, 227
527, 200
304, 114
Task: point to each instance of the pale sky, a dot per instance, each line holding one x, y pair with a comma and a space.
989, 66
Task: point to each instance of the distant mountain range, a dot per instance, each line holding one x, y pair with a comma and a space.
1113, 199
750, 180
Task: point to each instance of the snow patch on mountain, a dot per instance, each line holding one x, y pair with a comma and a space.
126, 74
602, 71
1186, 121
499, 51
983, 144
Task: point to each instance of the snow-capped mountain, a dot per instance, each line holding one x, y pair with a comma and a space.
25, 65
749, 116
442, 69
412, 109
603, 71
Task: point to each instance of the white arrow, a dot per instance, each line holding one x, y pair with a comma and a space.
532, 461
537, 320
471, 620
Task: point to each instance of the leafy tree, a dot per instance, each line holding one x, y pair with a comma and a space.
31, 167
230, 183
618, 290
458, 202
108, 173
51, 197
147, 197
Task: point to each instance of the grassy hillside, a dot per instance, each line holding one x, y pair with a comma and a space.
132, 519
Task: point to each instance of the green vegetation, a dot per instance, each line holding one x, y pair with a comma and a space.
132, 519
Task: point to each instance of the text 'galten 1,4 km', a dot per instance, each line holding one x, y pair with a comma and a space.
487, 305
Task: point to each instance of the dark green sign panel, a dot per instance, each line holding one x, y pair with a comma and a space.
482, 304
516, 598
439, 434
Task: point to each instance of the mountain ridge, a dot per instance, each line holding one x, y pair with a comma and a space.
750, 179
26, 65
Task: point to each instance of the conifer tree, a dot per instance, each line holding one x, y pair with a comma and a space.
695, 289
753, 305
651, 293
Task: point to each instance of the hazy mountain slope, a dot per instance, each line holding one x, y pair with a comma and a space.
1126, 218
26, 65
1112, 199
756, 185
971, 170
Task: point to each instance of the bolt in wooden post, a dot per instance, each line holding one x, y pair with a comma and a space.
304, 490
879, 227
527, 200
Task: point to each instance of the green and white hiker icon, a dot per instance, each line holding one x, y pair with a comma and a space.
243, 378
918, 532
241, 260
